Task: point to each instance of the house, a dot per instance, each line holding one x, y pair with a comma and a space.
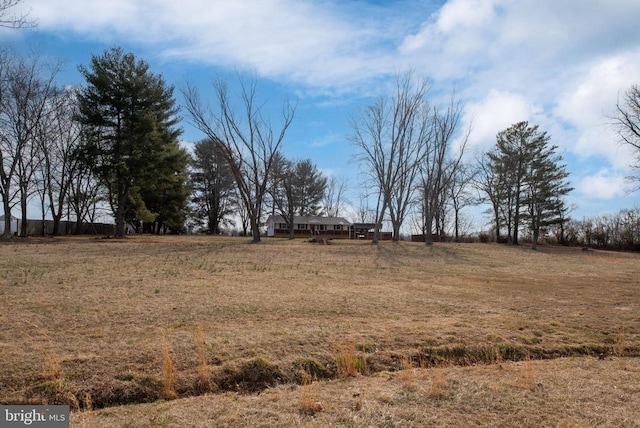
328, 227
14, 224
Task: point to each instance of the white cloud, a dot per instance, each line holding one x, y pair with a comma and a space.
457, 24
306, 42
589, 102
494, 113
330, 139
604, 184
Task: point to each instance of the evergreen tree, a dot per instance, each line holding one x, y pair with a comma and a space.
167, 193
309, 186
130, 115
531, 179
281, 190
297, 188
213, 186
545, 187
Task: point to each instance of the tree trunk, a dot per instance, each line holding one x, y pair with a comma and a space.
457, 224
24, 224
292, 233
7, 219
396, 231
379, 218
120, 217
428, 227
56, 224
536, 235
255, 231
78, 213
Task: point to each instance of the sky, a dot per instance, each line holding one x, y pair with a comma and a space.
561, 65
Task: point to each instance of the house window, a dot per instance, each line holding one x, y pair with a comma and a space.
337, 227
303, 226
322, 227
282, 225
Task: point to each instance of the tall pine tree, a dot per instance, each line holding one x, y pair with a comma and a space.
214, 191
132, 137
531, 179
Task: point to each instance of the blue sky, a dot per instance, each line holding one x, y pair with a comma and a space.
558, 64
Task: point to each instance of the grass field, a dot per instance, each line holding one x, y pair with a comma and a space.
296, 334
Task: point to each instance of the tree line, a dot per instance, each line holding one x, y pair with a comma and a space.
114, 142
413, 155
616, 231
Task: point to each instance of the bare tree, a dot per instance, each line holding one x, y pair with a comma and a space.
84, 196
459, 196
627, 123
364, 213
8, 20
26, 88
334, 196
58, 140
249, 145
440, 165
491, 186
390, 139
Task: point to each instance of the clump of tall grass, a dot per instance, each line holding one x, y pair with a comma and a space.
439, 382
204, 380
619, 347
52, 367
167, 371
309, 404
406, 374
349, 362
528, 375
620, 343
87, 419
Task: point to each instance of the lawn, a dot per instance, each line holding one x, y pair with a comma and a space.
293, 333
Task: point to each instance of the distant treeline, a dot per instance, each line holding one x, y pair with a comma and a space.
620, 231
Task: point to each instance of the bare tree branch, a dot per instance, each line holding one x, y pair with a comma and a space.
9, 20
391, 139
247, 141
627, 123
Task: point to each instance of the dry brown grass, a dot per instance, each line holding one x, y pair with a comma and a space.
167, 371
574, 392
349, 362
528, 375
99, 304
439, 382
309, 404
204, 380
52, 367
85, 417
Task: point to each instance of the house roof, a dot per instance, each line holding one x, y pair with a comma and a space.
12, 218
311, 220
